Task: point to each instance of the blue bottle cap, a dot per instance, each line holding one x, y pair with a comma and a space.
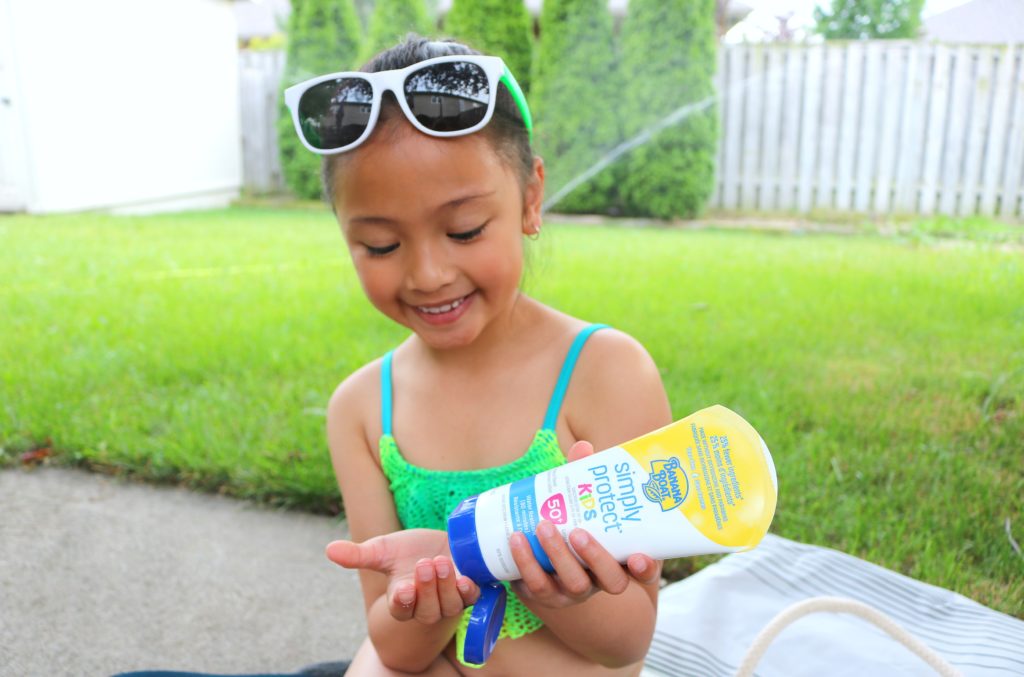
485, 623
465, 547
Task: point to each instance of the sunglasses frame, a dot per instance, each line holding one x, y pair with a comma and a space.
394, 80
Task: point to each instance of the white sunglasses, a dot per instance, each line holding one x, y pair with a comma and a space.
444, 96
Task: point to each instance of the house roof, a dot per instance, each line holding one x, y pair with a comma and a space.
979, 21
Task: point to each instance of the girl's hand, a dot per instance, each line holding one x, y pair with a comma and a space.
572, 583
422, 582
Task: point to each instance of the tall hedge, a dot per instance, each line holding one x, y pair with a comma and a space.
323, 37
499, 27
668, 58
869, 19
391, 20
576, 101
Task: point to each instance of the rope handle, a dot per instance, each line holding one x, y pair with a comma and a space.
840, 605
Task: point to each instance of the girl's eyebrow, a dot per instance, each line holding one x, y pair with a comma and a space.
465, 198
451, 204
371, 221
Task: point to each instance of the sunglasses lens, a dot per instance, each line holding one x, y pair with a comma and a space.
334, 113
448, 97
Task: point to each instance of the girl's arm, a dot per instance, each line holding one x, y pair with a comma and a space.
606, 615
410, 620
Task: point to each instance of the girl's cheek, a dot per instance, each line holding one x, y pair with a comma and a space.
508, 267
373, 283
379, 290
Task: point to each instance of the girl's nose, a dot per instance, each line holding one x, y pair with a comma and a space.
429, 268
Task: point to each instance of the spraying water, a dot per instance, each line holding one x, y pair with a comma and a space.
673, 118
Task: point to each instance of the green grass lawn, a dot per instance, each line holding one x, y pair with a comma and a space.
886, 374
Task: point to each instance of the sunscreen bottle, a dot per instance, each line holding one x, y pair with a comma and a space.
702, 485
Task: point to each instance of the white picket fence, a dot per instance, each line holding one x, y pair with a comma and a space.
876, 127
259, 79
872, 127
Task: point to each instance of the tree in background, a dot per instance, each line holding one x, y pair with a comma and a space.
499, 27
323, 37
668, 61
868, 19
391, 20
575, 100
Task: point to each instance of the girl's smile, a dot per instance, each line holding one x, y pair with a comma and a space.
447, 312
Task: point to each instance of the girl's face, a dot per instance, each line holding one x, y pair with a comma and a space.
435, 227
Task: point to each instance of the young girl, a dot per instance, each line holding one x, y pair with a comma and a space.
428, 167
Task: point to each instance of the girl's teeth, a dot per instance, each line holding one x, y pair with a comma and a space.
437, 310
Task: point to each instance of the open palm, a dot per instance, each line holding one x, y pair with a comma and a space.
422, 582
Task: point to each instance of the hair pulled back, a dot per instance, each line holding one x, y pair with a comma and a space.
506, 131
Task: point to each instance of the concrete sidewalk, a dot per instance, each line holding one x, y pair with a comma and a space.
99, 575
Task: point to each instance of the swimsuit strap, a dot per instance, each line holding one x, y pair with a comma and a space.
550, 419
385, 393
563, 378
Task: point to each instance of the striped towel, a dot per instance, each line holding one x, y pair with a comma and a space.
707, 622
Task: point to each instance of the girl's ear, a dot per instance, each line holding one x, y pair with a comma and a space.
533, 199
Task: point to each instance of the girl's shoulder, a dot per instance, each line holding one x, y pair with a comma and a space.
607, 354
616, 392
613, 360
609, 351
355, 402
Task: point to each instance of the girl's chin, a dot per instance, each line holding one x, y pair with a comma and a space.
447, 339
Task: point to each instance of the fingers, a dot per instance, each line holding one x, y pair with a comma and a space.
579, 450
402, 599
447, 592
538, 584
432, 593
644, 569
572, 577
608, 574
369, 554
428, 605
343, 553
468, 590
572, 584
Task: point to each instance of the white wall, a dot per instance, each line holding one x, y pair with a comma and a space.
13, 170
128, 104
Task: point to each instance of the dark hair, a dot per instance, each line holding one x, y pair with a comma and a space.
506, 131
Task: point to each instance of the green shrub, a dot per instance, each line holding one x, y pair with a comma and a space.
499, 27
869, 19
668, 59
575, 100
391, 20
323, 37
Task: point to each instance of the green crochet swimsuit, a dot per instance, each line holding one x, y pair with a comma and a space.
424, 498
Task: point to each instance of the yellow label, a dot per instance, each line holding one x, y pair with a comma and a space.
713, 467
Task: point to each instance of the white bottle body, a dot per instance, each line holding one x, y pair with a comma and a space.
703, 485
